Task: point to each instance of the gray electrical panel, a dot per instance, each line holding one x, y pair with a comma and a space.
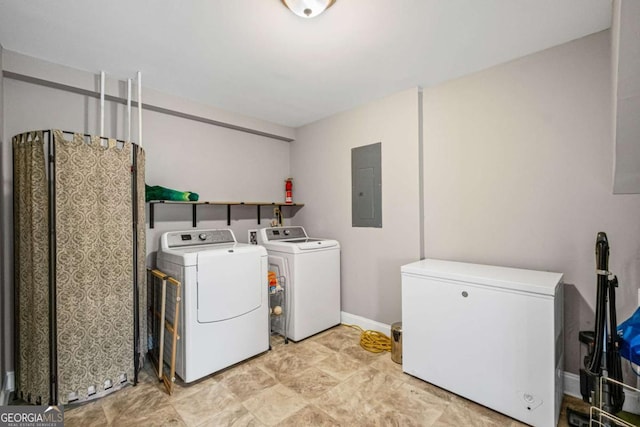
366, 186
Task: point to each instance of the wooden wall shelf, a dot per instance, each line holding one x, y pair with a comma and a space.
195, 205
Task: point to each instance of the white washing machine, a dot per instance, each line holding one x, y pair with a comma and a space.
311, 269
224, 311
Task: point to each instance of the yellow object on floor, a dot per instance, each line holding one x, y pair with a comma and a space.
373, 341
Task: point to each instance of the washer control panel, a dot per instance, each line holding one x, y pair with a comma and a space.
199, 237
285, 233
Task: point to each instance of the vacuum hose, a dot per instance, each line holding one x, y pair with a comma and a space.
593, 364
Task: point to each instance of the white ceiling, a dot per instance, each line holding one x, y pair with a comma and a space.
257, 58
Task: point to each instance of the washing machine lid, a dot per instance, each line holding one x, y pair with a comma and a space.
532, 281
293, 239
302, 245
229, 282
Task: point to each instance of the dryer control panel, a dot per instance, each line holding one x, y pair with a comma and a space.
177, 239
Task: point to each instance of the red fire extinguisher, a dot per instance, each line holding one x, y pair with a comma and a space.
288, 187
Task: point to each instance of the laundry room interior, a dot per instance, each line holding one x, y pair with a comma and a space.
499, 136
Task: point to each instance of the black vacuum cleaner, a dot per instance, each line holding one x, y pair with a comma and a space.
603, 356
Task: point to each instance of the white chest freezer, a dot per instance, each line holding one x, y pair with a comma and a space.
491, 334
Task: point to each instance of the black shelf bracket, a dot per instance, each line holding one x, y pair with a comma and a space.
194, 209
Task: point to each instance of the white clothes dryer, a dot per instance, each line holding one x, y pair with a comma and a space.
311, 268
224, 311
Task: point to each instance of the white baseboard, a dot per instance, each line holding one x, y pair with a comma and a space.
10, 381
572, 388
364, 323
572, 385
9, 385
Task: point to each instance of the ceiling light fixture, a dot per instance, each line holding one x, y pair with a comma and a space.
308, 8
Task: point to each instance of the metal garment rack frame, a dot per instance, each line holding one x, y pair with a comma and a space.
598, 416
164, 324
281, 295
53, 345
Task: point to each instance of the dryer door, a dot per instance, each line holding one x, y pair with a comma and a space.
230, 284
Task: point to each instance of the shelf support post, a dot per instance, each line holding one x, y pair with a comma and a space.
228, 215
151, 205
194, 219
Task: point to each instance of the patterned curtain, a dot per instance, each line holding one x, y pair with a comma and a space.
94, 265
31, 267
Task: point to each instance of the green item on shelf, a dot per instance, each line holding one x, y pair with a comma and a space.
157, 192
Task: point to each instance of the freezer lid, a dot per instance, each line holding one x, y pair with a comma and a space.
539, 282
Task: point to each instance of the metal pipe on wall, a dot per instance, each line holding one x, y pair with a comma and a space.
102, 78
140, 108
156, 108
128, 110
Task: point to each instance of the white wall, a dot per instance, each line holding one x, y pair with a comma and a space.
321, 168
518, 172
219, 163
35, 68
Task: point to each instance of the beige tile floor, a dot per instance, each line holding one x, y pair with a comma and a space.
325, 380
